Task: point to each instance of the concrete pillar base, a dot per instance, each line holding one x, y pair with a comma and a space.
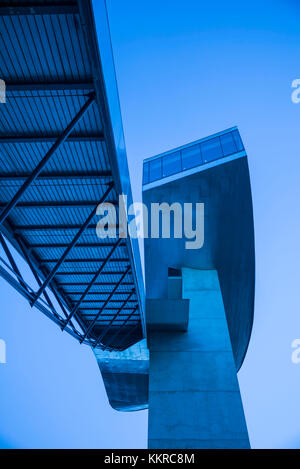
194, 396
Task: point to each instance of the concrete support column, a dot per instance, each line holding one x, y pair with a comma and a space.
194, 396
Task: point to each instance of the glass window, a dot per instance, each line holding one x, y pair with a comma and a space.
228, 144
171, 164
155, 169
191, 157
238, 140
146, 173
211, 150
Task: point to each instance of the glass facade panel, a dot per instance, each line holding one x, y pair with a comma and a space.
146, 173
155, 170
191, 157
211, 150
228, 144
171, 164
194, 155
238, 141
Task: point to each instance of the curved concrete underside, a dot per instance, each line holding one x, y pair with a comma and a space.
125, 376
228, 246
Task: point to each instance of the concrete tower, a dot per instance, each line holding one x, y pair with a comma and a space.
199, 306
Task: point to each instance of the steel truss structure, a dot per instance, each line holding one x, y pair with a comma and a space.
57, 163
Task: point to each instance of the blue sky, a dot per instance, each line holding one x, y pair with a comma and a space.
185, 69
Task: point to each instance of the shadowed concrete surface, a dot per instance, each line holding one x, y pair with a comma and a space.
228, 240
125, 376
194, 396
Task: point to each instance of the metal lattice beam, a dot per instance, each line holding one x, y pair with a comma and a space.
90, 260
46, 158
127, 300
70, 247
32, 259
100, 292
90, 272
48, 86
111, 340
106, 302
49, 138
58, 175
95, 158
59, 204
78, 245
102, 284
92, 282
21, 228
32, 8
37, 278
100, 301
12, 262
112, 308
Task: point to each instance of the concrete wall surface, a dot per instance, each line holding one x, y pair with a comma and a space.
194, 396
